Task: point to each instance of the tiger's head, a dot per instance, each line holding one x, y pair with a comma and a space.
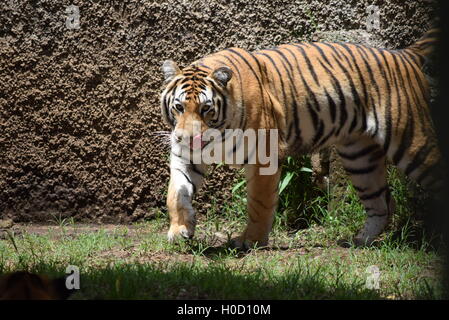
195, 99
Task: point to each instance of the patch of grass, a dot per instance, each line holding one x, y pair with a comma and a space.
193, 281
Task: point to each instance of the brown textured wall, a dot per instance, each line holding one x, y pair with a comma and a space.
77, 107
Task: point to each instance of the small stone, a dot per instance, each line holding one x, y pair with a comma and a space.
220, 235
6, 224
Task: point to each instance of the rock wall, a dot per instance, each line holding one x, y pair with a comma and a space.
78, 106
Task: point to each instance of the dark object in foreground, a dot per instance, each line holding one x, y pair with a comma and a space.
23, 285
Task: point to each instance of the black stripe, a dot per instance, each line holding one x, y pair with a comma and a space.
318, 134
280, 78
308, 63
376, 155
321, 52
310, 92
385, 62
195, 169
296, 121
223, 110
204, 66
377, 214
288, 70
398, 96
357, 171
341, 96
419, 157
354, 92
327, 137
215, 86
424, 92
277, 71
370, 71
359, 189
331, 46
417, 58
361, 153
406, 140
416, 101
242, 114
292, 84
313, 115
188, 179
354, 121
398, 73
387, 107
373, 195
337, 45
362, 80
379, 64
332, 105
259, 81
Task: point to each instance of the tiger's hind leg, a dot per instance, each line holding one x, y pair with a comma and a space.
417, 155
364, 161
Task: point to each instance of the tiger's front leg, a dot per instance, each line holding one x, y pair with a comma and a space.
185, 180
262, 197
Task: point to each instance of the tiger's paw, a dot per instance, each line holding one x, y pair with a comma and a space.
362, 242
356, 242
245, 244
180, 232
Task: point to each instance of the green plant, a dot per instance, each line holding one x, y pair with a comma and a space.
297, 193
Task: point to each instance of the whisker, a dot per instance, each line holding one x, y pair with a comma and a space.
166, 140
160, 133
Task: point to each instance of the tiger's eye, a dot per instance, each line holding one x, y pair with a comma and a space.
179, 107
206, 109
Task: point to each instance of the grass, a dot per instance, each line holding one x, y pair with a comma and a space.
303, 260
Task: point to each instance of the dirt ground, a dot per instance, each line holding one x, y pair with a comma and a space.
137, 233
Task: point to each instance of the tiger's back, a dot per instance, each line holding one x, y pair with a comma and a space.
325, 92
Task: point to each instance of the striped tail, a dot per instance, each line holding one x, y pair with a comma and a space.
426, 45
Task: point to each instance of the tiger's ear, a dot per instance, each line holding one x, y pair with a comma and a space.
170, 70
222, 75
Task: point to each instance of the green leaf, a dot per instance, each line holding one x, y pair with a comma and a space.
285, 181
304, 169
238, 186
221, 164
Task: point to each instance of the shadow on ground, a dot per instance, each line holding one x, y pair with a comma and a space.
145, 281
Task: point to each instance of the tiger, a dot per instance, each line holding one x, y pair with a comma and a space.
371, 104
23, 285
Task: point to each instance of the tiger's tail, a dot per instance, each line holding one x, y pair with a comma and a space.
426, 45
